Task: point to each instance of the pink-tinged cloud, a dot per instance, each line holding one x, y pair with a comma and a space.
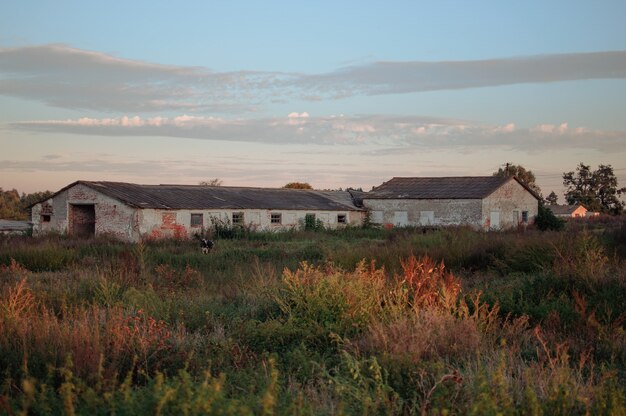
402, 133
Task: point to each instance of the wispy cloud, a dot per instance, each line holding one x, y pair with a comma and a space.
405, 77
62, 76
390, 134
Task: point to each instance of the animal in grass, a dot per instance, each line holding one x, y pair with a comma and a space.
206, 245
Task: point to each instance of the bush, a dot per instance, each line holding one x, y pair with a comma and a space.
546, 220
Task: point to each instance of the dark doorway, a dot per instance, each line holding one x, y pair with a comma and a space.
83, 220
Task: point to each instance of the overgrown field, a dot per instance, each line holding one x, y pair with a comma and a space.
358, 321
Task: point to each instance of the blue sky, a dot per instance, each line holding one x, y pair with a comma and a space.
334, 93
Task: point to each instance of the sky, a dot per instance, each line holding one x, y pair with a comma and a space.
337, 94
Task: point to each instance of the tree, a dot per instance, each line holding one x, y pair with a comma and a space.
211, 182
298, 185
15, 207
527, 177
552, 199
597, 189
10, 205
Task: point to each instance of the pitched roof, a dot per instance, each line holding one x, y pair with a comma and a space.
564, 209
221, 197
454, 187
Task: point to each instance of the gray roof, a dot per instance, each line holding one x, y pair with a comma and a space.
222, 197
14, 225
459, 187
564, 209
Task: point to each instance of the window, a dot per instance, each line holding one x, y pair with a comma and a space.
309, 222
276, 218
237, 218
376, 217
196, 220
525, 216
400, 218
45, 218
427, 218
342, 219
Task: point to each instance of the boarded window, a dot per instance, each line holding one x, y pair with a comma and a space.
254, 218
342, 218
427, 218
237, 218
276, 218
196, 220
376, 217
400, 218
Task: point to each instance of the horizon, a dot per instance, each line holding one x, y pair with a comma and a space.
335, 95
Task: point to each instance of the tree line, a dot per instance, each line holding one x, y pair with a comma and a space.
14, 206
597, 190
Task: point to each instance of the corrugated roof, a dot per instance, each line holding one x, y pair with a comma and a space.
222, 197
14, 225
459, 187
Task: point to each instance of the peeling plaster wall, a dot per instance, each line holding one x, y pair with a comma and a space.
115, 218
112, 216
444, 211
155, 223
507, 200
507, 203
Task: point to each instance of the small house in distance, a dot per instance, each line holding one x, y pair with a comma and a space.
483, 202
568, 211
131, 212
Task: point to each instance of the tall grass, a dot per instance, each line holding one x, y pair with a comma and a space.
357, 321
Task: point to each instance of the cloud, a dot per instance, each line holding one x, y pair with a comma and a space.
62, 76
388, 133
415, 76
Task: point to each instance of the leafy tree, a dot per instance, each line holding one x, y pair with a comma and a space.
552, 199
10, 205
211, 182
597, 189
527, 177
298, 185
15, 207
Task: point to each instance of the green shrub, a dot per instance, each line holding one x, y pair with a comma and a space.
546, 220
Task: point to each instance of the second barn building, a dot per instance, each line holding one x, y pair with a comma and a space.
482, 202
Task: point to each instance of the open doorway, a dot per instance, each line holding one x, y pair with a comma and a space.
82, 220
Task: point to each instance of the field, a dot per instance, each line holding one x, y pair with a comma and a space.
357, 321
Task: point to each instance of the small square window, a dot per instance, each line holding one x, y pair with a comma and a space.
342, 219
196, 220
237, 218
45, 218
524, 216
276, 218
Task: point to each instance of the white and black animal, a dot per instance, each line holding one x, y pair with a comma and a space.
206, 245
